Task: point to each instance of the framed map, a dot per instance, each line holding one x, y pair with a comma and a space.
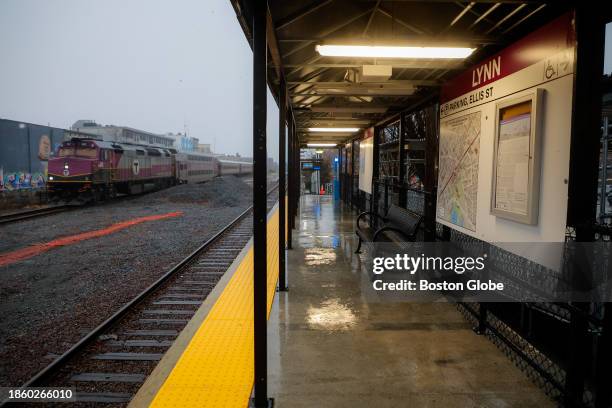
516, 159
458, 169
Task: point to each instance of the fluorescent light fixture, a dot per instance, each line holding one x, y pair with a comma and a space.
321, 144
379, 51
332, 129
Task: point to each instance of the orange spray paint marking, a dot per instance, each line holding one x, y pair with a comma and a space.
33, 250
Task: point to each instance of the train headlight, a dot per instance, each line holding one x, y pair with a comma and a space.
66, 166
50, 178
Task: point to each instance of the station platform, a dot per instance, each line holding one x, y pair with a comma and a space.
328, 347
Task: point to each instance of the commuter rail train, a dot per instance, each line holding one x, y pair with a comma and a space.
95, 169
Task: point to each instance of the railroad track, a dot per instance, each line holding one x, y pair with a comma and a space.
111, 362
40, 212
55, 209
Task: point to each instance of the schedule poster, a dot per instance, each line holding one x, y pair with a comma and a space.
512, 173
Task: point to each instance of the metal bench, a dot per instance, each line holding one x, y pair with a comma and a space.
398, 225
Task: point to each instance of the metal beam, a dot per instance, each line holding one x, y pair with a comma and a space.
421, 64
260, 312
349, 108
452, 1
344, 84
328, 134
301, 13
485, 14
388, 94
290, 158
506, 17
524, 18
461, 14
402, 22
273, 45
330, 122
282, 136
330, 31
456, 40
586, 121
367, 27
297, 173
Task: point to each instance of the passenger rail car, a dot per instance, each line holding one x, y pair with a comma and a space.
195, 168
237, 168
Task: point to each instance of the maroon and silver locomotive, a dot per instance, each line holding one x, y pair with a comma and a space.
95, 169
101, 169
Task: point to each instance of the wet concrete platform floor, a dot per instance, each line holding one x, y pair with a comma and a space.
329, 347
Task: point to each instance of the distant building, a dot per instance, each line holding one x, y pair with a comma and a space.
122, 134
203, 148
184, 143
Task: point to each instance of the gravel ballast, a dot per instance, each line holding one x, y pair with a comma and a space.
49, 301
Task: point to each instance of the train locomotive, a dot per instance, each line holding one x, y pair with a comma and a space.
95, 170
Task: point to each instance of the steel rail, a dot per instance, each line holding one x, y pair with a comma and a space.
52, 368
40, 212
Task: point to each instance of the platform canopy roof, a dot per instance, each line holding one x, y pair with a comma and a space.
356, 92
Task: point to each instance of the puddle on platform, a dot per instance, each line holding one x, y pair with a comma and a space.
319, 256
332, 315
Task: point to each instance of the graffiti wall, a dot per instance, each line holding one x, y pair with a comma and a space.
25, 149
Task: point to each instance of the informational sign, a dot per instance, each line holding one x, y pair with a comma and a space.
516, 160
505, 124
458, 171
513, 164
366, 161
544, 55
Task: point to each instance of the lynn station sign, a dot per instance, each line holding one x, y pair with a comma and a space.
542, 56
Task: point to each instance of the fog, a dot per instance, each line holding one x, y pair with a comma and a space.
156, 65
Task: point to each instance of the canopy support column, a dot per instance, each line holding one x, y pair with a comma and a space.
290, 191
282, 122
260, 52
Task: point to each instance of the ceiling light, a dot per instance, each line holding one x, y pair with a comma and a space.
321, 144
332, 129
377, 51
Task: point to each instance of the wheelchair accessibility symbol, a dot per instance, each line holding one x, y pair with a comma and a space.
549, 70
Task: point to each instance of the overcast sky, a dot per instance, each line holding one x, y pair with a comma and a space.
155, 65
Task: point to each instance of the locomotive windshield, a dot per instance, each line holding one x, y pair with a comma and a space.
79, 149
65, 151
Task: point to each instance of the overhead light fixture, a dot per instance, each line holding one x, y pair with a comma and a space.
332, 129
379, 51
321, 144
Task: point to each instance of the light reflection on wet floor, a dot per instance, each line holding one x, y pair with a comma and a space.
329, 347
331, 315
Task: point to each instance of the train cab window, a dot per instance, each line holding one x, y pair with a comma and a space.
140, 152
86, 152
66, 150
86, 149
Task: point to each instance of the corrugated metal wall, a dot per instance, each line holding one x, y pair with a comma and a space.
24, 151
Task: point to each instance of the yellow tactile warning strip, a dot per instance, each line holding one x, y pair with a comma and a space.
216, 369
